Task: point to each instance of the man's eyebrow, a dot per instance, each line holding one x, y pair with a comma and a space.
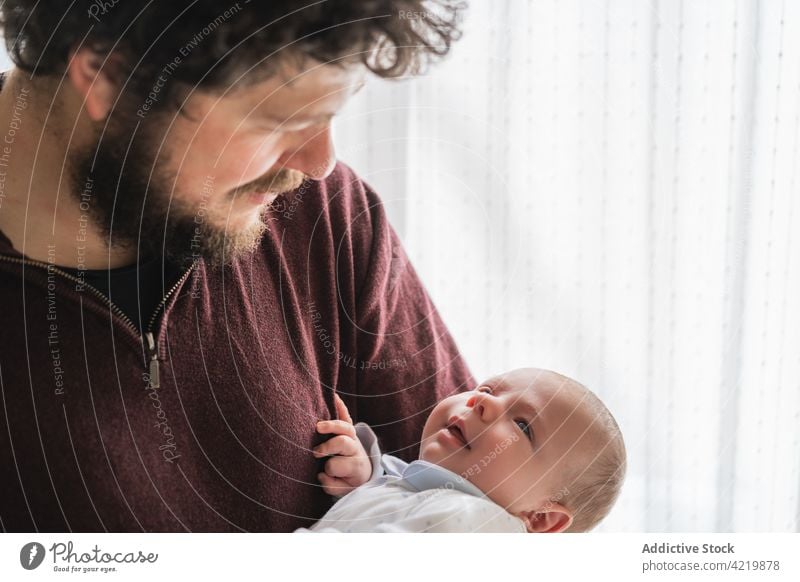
300, 117
319, 118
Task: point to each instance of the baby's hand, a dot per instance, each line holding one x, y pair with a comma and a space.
350, 467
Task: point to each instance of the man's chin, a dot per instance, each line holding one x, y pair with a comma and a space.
216, 245
258, 200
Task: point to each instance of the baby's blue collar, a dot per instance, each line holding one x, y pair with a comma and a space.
422, 475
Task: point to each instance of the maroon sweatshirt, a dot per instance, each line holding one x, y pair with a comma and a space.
210, 427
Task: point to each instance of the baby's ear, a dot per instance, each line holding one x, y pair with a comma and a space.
555, 519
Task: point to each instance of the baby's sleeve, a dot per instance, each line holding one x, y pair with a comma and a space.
369, 440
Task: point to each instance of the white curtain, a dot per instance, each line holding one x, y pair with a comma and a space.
609, 188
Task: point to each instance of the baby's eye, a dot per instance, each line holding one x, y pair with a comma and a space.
485, 389
525, 427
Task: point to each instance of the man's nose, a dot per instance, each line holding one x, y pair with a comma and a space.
311, 152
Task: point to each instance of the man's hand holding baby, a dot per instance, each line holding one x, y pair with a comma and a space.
349, 465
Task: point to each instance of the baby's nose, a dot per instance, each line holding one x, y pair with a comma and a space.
482, 405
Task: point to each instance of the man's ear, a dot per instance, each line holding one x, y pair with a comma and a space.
555, 519
93, 80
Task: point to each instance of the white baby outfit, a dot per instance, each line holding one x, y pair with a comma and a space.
413, 497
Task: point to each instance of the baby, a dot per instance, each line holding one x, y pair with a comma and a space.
526, 451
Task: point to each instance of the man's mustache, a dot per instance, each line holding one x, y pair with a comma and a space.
281, 181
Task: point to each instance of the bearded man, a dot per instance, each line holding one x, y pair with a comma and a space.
187, 275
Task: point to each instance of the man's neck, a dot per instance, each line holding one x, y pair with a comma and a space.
39, 212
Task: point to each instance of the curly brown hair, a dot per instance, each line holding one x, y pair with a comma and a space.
210, 45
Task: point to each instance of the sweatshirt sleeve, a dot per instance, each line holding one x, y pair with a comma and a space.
408, 360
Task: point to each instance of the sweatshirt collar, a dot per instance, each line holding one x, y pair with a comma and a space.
6, 248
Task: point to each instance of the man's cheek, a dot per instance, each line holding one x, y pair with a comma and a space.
241, 170
252, 153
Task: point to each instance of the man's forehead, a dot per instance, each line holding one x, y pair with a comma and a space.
314, 93
314, 72
291, 85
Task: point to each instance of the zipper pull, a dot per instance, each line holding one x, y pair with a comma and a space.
155, 380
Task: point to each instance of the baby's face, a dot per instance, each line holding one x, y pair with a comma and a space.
514, 437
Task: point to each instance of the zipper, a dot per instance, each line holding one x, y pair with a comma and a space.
152, 346
154, 379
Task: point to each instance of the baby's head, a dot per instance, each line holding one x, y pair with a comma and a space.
535, 442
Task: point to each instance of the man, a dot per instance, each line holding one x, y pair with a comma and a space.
187, 275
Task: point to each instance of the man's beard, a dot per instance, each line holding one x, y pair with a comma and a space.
132, 205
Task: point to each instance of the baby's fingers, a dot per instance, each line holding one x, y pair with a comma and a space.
344, 467
334, 486
341, 409
336, 427
338, 445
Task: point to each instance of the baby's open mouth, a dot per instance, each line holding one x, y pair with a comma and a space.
455, 430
